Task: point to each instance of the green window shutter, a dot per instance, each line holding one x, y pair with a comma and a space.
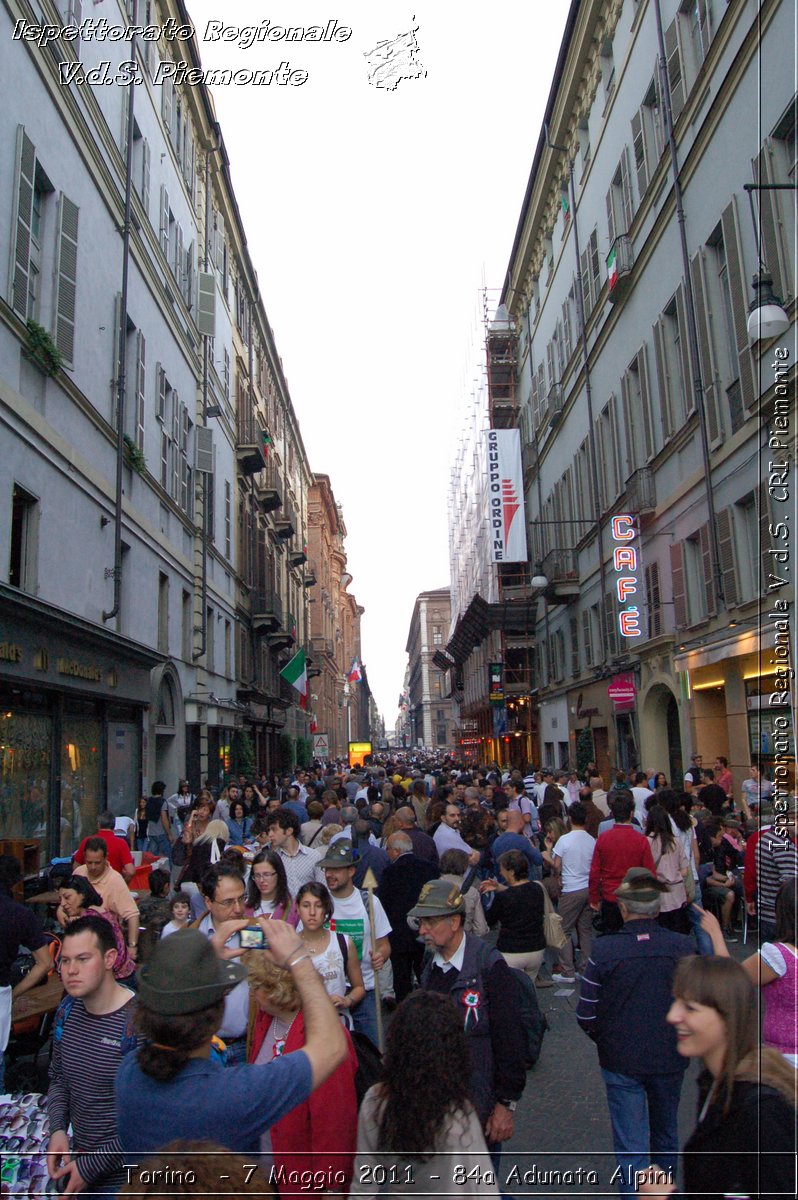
66, 278
23, 215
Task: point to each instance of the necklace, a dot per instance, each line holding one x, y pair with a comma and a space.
281, 1031
315, 944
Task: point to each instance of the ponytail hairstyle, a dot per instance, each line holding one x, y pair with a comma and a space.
171, 1039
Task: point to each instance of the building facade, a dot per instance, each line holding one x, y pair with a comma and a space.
657, 447
430, 712
334, 627
153, 520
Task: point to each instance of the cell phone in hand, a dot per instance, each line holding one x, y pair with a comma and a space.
253, 938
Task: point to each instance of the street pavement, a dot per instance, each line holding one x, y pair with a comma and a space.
562, 1122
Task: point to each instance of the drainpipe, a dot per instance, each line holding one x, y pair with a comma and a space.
203, 627
692, 330
121, 378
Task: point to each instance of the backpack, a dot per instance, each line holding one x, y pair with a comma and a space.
369, 1064
153, 808
129, 1038
533, 1021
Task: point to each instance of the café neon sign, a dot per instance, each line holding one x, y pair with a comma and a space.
625, 563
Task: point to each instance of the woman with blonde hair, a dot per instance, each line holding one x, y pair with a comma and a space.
319, 1134
744, 1142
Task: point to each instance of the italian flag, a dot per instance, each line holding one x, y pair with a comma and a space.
296, 673
612, 268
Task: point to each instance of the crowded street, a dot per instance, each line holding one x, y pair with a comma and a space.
399, 423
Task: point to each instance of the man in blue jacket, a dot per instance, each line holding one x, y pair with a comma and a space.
625, 996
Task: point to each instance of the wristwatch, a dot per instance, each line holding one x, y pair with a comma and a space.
510, 1105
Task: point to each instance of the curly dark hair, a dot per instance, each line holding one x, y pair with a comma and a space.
427, 1073
181, 1034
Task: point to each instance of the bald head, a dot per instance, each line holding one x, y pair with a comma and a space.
515, 822
397, 844
405, 817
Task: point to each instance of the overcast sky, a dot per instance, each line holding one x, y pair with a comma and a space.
373, 218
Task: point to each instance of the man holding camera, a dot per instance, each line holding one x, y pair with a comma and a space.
225, 899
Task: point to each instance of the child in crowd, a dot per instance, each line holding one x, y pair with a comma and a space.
180, 910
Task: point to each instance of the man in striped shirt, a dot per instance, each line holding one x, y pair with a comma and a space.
93, 1030
776, 859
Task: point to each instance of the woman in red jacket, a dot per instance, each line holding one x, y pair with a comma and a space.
316, 1140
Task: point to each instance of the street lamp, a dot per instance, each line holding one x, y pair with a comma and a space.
766, 316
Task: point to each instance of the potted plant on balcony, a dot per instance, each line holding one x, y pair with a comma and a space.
134, 456
41, 350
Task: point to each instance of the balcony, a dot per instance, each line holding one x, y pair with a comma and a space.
270, 488
620, 261
552, 409
309, 578
285, 524
250, 450
560, 568
641, 495
296, 558
266, 611
283, 635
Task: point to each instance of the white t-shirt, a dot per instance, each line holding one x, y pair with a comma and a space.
350, 917
122, 826
641, 794
575, 849
172, 927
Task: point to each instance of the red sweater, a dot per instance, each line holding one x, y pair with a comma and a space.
118, 850
321, 1134
617, 850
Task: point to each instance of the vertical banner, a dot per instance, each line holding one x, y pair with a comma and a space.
506, 496
628, 573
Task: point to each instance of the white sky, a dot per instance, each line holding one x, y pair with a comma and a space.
373, 218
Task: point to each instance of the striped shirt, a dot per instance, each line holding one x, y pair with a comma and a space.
82, 1073
776, 860
300, 868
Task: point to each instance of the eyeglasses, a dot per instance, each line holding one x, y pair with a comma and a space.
232, 902
256, 875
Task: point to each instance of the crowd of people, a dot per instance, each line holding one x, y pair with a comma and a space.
298, 927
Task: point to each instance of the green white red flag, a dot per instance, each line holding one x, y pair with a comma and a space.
295, 672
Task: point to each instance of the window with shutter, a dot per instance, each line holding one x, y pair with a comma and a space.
164, 222
678, 585
595, 269
145, 177
675, 63
23, 218
705, 543
737, 294
174, 489
167, 105
584, 274
686, 370
653, 600
587, 637
141, 351
728, 562
771, 572
639, 152
573, 637
706, 349
66, 278
610, 625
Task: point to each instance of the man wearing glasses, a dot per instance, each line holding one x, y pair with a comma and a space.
225, 899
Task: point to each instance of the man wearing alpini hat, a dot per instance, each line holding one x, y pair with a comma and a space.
626, 993
351, 917
479, 982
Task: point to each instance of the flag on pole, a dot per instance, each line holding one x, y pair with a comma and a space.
296, 673
354, 675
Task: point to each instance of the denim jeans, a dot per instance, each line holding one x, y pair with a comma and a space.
236, 1052
702, 939
364, 1016
160, 845
644, 1113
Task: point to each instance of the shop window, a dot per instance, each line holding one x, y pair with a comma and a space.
81, 762
24, 540
25, 747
